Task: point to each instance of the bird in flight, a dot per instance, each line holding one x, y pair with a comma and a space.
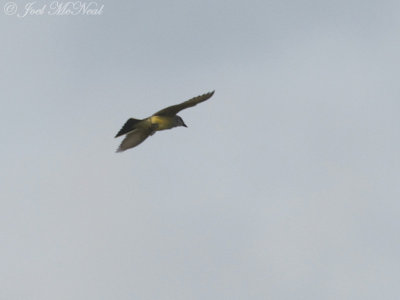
136, 130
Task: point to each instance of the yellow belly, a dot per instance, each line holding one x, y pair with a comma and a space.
161, 122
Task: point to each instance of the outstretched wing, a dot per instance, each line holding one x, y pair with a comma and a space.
128, 126
174, 109
134, 138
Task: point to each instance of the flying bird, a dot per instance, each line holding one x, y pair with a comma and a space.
136, 130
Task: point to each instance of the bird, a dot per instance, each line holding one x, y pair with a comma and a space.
137, 130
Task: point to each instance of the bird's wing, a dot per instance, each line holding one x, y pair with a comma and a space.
128, 126
174, 109
134, 138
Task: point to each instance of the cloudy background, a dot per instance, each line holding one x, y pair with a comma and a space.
284, 186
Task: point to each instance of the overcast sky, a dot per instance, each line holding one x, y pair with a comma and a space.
285, 185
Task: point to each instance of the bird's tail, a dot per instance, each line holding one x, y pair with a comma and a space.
128, 126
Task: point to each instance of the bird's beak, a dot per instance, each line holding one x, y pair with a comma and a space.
184, 125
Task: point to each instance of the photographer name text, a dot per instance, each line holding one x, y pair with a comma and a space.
55, 8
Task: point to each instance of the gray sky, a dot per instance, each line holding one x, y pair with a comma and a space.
284, 186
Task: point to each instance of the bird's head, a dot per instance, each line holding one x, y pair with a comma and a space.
179, 122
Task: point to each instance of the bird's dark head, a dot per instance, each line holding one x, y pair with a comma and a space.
179, 121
